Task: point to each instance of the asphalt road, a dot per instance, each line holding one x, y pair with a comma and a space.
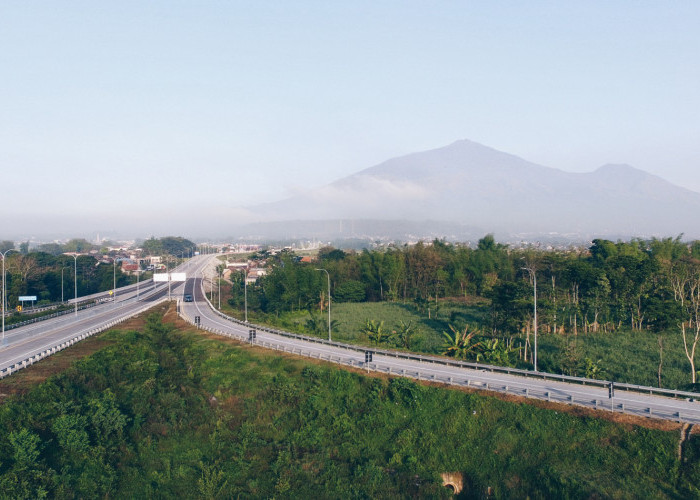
24, 342
591, 395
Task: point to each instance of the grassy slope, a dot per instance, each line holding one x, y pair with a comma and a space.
161, 413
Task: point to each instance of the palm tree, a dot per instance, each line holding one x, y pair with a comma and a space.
459, 344
403, 334
497, 352
375, 332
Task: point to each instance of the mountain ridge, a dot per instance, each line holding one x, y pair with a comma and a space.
472, 184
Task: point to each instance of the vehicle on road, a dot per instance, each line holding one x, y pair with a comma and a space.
188, 298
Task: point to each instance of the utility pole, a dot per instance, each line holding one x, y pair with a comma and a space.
329, 302
531, 268
3, 291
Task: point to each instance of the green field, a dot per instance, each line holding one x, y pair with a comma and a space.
165, 413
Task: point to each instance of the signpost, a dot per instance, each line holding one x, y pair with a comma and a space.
26, 298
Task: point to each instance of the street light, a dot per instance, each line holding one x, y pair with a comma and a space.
329, 302
3, 291
138, 271
245, 291
530, 267
114, 285
64, 267
167, 270
75, 286
218, 269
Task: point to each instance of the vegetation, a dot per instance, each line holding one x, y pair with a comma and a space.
170, 245
168, 413
607, 296
51, 277
49, 274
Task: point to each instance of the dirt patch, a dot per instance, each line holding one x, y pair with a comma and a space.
25, 379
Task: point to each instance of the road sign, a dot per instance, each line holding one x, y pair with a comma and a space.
19, 308
170, 277
26, 298
111, 292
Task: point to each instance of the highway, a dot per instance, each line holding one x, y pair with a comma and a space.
43, 338
588, 393
27, 344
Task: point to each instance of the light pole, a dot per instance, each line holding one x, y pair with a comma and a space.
75, 285
329, 302
167, 270
3, 291
114, 283
530, 267
138, 271
64, 267
245, 292
218, 276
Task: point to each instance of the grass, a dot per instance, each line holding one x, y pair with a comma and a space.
624, 356
161, 411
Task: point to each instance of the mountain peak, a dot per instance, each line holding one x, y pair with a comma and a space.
480, 186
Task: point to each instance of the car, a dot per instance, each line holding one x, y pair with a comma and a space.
188, 298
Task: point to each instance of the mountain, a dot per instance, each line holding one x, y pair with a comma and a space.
471, 185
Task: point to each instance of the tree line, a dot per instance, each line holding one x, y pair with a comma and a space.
642, 284
49, 274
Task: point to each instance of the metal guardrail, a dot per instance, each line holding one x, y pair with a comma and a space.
50, 316
467, 364
4, 372
615, 404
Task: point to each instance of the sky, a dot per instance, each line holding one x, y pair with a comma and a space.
131, 116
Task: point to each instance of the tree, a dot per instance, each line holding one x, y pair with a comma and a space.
6, 245
511, 303
375, 332
403, 333
685, 279
496, 352
78, 245
461, 344
350, 291
51, 248
318, 325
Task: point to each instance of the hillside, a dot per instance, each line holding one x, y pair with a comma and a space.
163, 412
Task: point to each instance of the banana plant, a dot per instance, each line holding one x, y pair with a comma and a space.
461, 344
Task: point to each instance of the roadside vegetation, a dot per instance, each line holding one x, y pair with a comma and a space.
166, 411
624, 311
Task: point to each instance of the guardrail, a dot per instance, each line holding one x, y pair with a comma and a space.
50, 316
422, 358
30, 360
468, 379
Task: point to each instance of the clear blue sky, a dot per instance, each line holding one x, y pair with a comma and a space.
223, 103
